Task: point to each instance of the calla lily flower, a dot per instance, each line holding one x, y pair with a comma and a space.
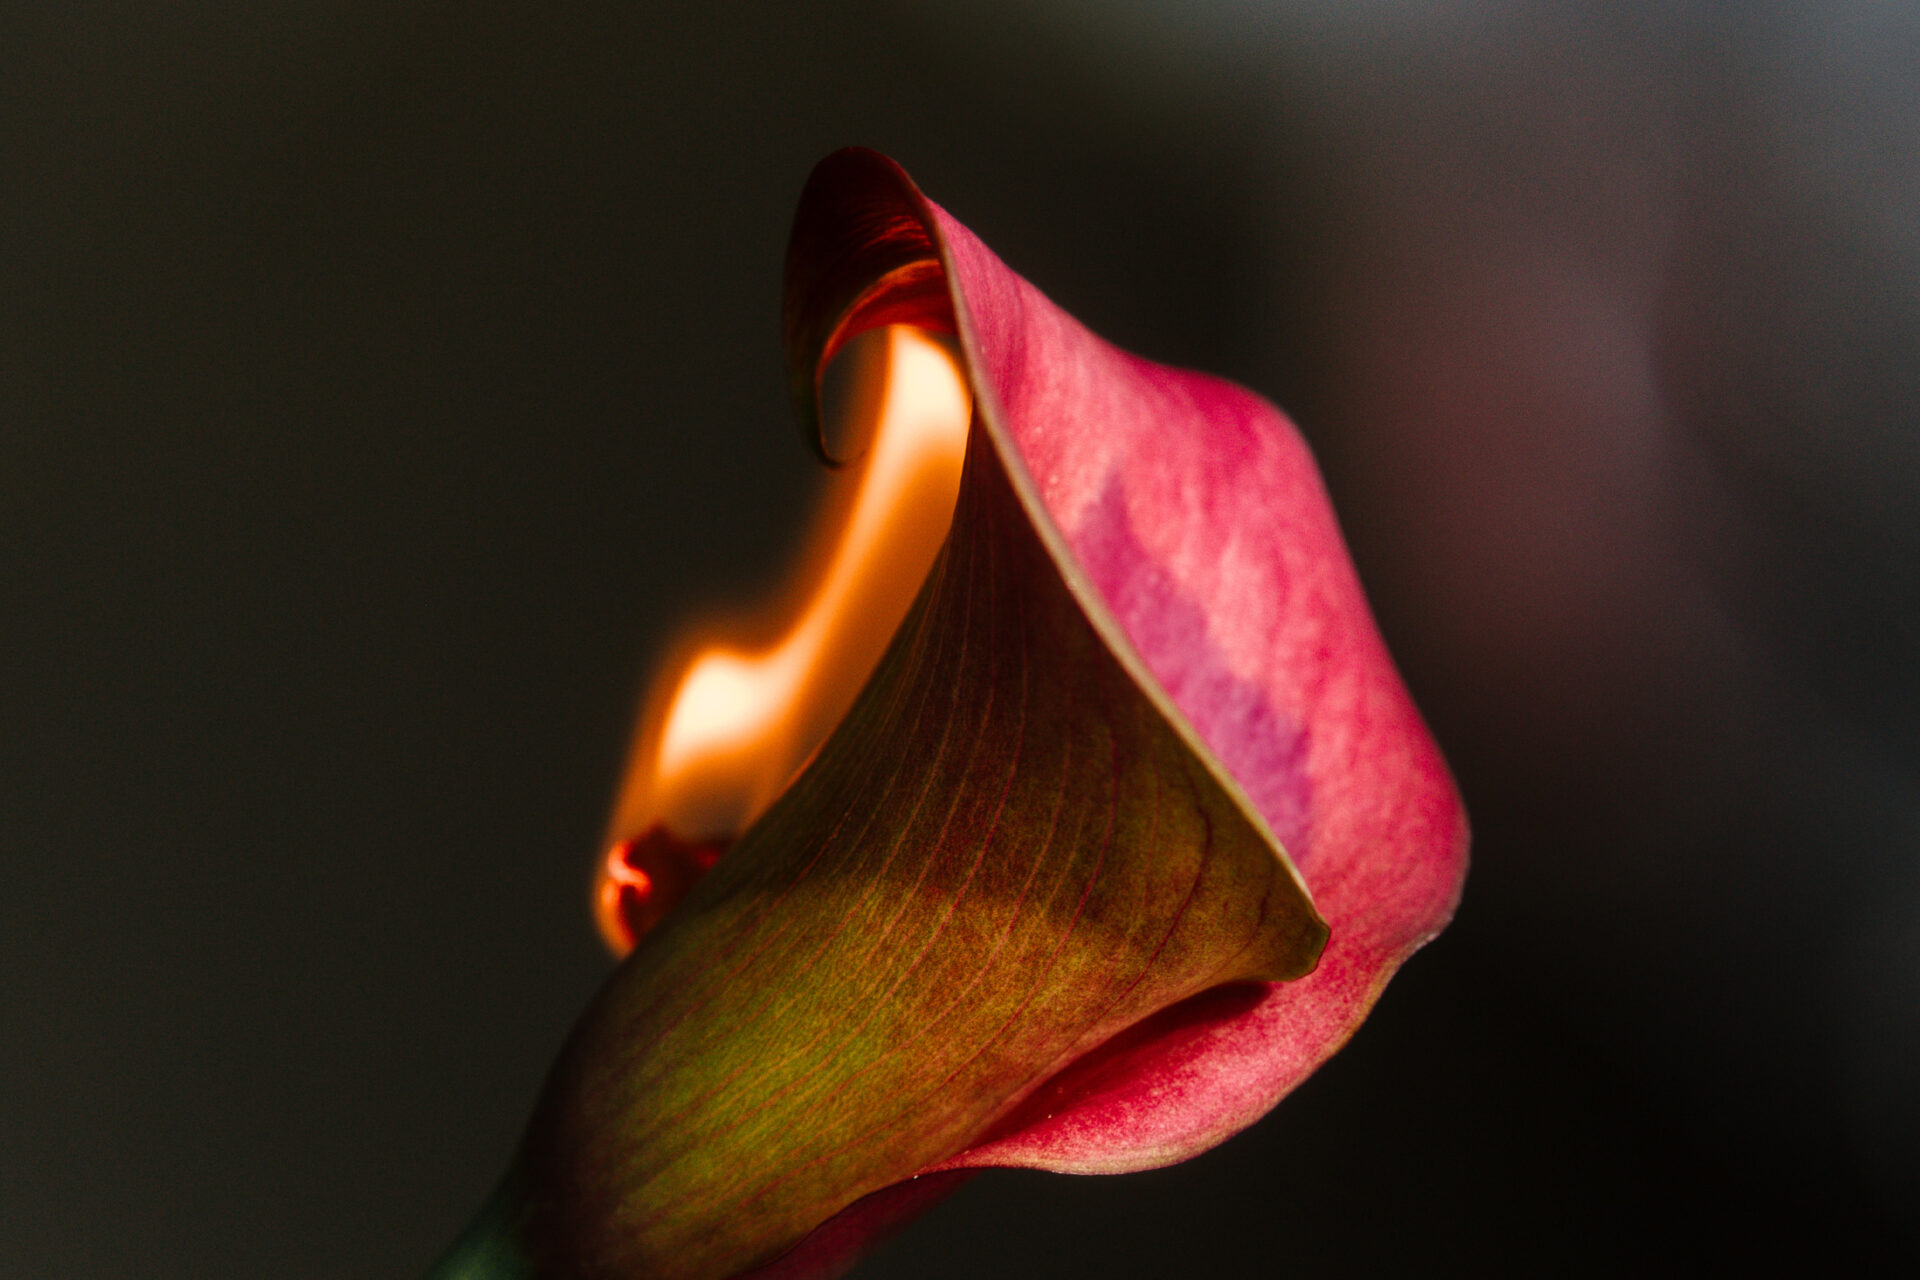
1122, 837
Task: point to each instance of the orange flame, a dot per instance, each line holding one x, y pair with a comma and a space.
726, 730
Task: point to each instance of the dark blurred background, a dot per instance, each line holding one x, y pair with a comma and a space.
381, 383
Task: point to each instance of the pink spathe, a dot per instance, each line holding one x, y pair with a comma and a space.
1193, 510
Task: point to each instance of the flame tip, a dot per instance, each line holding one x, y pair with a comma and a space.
736, 724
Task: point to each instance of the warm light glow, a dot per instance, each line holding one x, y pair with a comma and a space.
622, 874
741, 721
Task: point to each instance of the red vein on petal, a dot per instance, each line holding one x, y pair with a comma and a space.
721, 980
1010, 771
767, 1101
1039, 856
929, 1019
1173, 926
646, 1051
986, 723
877, 1001
1045, 968
996, 1037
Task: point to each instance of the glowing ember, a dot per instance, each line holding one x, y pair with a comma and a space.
739, 721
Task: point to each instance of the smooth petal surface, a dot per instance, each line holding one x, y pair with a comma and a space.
1190, 512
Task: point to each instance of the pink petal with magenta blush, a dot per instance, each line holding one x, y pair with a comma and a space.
1197, 521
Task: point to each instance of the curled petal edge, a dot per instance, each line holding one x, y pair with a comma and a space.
1187, 516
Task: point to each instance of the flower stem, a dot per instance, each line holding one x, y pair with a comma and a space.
491, 1247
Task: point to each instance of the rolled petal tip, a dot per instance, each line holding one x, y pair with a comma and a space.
1122, 838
